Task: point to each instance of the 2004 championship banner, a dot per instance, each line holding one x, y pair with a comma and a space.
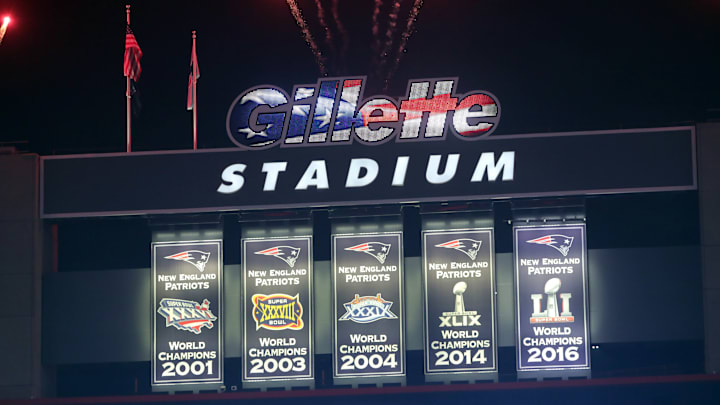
368, 307
187, 292
277, 308
459, 277
551, 286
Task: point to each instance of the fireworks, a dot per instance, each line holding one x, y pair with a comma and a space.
3, 28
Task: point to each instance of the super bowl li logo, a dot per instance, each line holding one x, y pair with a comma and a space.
277, 312
367, 309
186, 315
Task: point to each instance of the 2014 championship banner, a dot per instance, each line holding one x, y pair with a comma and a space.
368, 308
459, 280
188, 325
277, 308
551, 286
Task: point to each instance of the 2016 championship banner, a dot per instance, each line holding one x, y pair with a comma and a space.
551, 285
459, 280
368, 307
187, 292
277, 308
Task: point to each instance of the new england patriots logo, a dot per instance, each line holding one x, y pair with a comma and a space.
288, 254
197, 258
375, 249
561, 243
468, 246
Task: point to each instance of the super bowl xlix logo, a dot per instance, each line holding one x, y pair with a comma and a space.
277, 311
334, 112
186, 315
552, 314
367, 309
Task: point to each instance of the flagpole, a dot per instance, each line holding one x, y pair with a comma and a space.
127, 91
194, 100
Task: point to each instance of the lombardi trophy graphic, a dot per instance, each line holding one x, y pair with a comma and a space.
458, 290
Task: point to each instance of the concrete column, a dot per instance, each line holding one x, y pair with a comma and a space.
20, 277
708, 137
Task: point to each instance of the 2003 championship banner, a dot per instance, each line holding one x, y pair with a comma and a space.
551, 294
187, 292
277, 308
459, 280
368, 308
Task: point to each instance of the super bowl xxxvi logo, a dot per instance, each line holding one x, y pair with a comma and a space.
277, 311
334, 112
367, 309
186, 315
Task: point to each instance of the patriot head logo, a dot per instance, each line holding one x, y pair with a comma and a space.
375, 249
288, 254
195, 257
468, 246
561, 243
186, 315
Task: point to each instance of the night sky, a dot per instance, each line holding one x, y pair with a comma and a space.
554, 66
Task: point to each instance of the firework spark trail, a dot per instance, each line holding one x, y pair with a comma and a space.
319, 58
404, 39
3, 28
343, 32
389, 33
376, 30
323, 24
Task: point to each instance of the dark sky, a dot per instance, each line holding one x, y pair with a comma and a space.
554, 66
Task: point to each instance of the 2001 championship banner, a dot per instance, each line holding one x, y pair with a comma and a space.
187, 292
459, 301
551, 283
368, 307
277, 308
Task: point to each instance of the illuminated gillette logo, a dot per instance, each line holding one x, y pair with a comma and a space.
367, 309
334, 112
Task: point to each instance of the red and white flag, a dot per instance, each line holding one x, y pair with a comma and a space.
192, 80
133, 54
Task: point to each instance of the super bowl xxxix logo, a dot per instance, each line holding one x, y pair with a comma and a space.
367, 309
277, 311
331, 111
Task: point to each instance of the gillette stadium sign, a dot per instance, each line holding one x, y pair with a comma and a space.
330, 144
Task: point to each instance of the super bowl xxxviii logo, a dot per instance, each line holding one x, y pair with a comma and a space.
333, 112
367, 309
277, 311
186, 315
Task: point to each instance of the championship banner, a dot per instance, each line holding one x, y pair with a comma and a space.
277, 308
368, 307
459, 281
187, 322
551, 298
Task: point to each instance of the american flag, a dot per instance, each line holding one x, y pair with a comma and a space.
194, 76
133, 54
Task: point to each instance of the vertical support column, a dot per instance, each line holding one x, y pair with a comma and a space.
20, 278
708, 142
